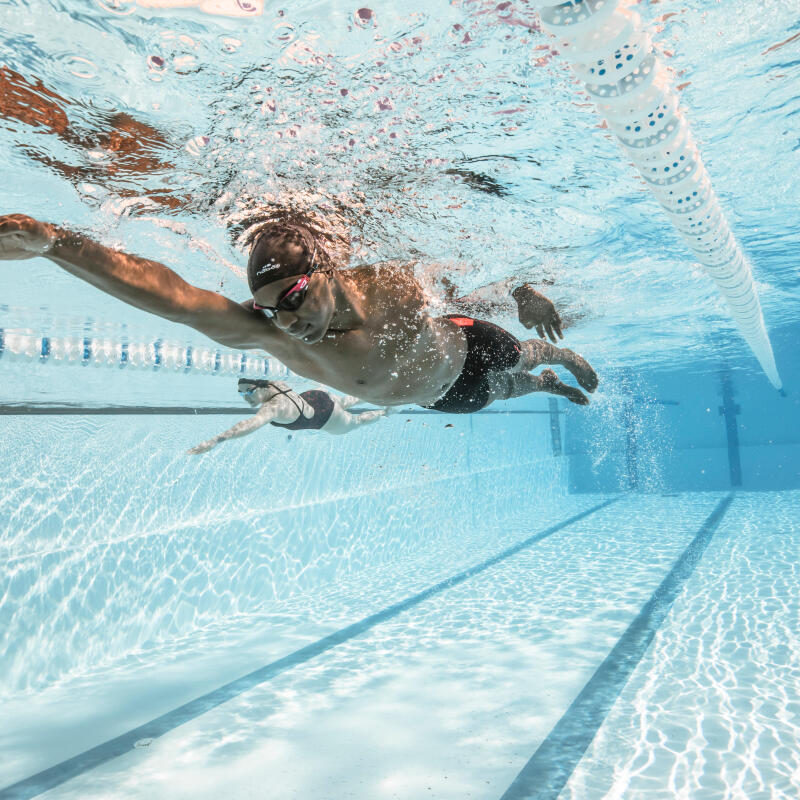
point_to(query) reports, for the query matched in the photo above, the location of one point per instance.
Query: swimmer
(278, 404)
(364, 331)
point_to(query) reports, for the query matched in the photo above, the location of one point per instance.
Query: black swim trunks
(489, 349)
(321, 402)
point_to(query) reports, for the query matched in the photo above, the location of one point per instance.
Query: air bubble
(229, 44)
(365, 18)
(81, 67)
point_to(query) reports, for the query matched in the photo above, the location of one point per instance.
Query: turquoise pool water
(535, 601)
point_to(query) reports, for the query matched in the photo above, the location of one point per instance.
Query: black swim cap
(280, 250)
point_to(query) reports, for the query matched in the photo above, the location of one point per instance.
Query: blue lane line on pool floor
(83, 762)
(550, 767)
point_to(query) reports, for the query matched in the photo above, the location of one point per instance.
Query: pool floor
(454, 696)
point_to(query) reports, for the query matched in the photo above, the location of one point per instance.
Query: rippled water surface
(451, 134)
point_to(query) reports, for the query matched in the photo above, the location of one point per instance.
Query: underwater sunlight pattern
(538, 600)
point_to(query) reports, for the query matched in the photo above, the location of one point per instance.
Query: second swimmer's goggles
(294, 296)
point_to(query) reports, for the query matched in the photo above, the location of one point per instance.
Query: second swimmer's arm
(243, 428)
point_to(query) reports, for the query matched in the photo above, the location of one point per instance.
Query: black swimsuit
(489, 349)
(321, 402)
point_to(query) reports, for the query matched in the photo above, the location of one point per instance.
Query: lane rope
(20, 344)
(610, 51)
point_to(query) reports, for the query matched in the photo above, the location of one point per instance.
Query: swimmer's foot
(550, 383)
(580, 368)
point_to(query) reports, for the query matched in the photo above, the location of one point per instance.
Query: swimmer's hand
(535, 310)
(203, 447)
(23, 237)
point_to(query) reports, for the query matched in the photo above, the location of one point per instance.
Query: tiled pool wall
(682, 431)
(114, 540)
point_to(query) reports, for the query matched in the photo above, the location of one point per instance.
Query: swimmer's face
(309, 321)
(255, 395)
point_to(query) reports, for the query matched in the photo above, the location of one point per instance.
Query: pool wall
(683, 431)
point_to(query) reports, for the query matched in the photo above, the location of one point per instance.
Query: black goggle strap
(286, 392)
(304, 279)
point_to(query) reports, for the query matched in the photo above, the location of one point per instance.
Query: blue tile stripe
(83, 762)
(729, 410)
(555, 426)
(550, 767)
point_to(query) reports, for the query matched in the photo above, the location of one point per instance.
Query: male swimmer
(364, 331)
(278, 404)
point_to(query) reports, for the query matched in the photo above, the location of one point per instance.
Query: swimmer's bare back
(379, 342)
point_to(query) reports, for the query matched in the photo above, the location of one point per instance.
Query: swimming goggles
(294, 296)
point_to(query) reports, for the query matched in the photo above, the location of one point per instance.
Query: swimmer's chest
(357, 360)
(360, 353)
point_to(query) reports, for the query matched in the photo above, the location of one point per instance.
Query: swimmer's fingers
(553, 326)
(540, 330)
(23, 237)
(557, 326)
(203, 447)
(14, 246)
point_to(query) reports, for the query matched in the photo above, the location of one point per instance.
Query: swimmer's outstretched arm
(137, 281)
(264, 415)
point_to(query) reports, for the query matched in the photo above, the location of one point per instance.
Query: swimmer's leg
(505, 385)
(536, 352)
(347, 400)
(367, 417)
(342, 421)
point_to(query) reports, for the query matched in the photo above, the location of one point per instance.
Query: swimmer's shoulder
(383, 269)
(391, 281)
